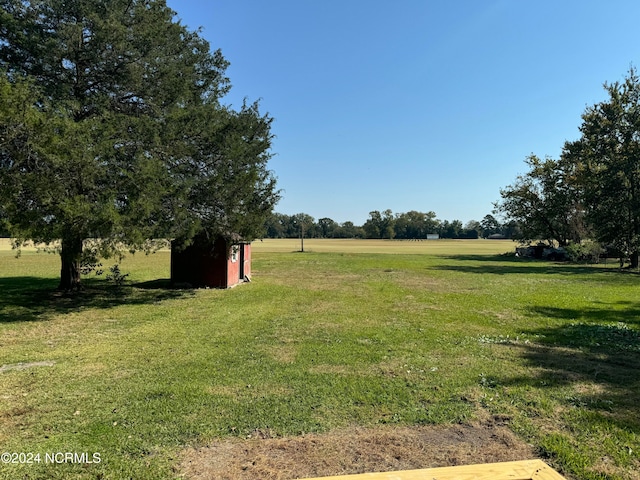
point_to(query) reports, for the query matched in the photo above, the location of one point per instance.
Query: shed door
(241, 262)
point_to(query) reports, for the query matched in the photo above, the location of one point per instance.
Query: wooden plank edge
(519, 470)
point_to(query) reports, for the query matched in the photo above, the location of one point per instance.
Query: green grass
(439, 332)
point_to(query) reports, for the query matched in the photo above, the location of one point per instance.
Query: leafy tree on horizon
(349, 230)
(490, 226)
(380, 225)
(415, 225)
(472, 230)
(451, 229)
(327, 227)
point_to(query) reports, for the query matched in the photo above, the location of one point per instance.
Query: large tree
(545, 202)
(221, 184)
(119, 134)
(607, 159)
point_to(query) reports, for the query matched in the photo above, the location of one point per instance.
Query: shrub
(588, 251)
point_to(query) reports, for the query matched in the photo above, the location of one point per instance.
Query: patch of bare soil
(25, 365)
(356, 450)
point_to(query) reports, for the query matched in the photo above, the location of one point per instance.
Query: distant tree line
(411, 225)
(587, 200)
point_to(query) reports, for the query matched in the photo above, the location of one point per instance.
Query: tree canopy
(545, 202)
(607, 158)
(112, 128)
(593, 189)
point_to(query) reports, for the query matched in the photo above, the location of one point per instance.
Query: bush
(116, 276)
(587, 251)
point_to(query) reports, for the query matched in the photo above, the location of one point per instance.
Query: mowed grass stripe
(319, 341)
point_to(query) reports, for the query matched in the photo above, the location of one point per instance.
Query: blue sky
(428, 105)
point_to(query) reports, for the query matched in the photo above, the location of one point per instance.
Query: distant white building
(433, 236)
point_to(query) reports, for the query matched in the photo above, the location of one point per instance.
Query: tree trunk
(634, 259)
(70, 257)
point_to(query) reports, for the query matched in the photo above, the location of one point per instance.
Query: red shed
(219, 263)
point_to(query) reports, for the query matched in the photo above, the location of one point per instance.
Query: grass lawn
(350, 333)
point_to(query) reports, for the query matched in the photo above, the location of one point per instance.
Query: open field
(6, 246)
(328, 362)
(429, 247)
(359, 246)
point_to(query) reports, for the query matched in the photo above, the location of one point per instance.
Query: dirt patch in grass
(356, 450)
(252, 391)
(284, 352)
(25, 365)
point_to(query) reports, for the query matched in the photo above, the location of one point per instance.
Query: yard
(343, 358)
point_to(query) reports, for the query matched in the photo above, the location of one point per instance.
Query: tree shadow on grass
(25, 299)
(600, 313)
(505, 265)
(601, 358)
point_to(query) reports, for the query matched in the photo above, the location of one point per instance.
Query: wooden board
(522, 470)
